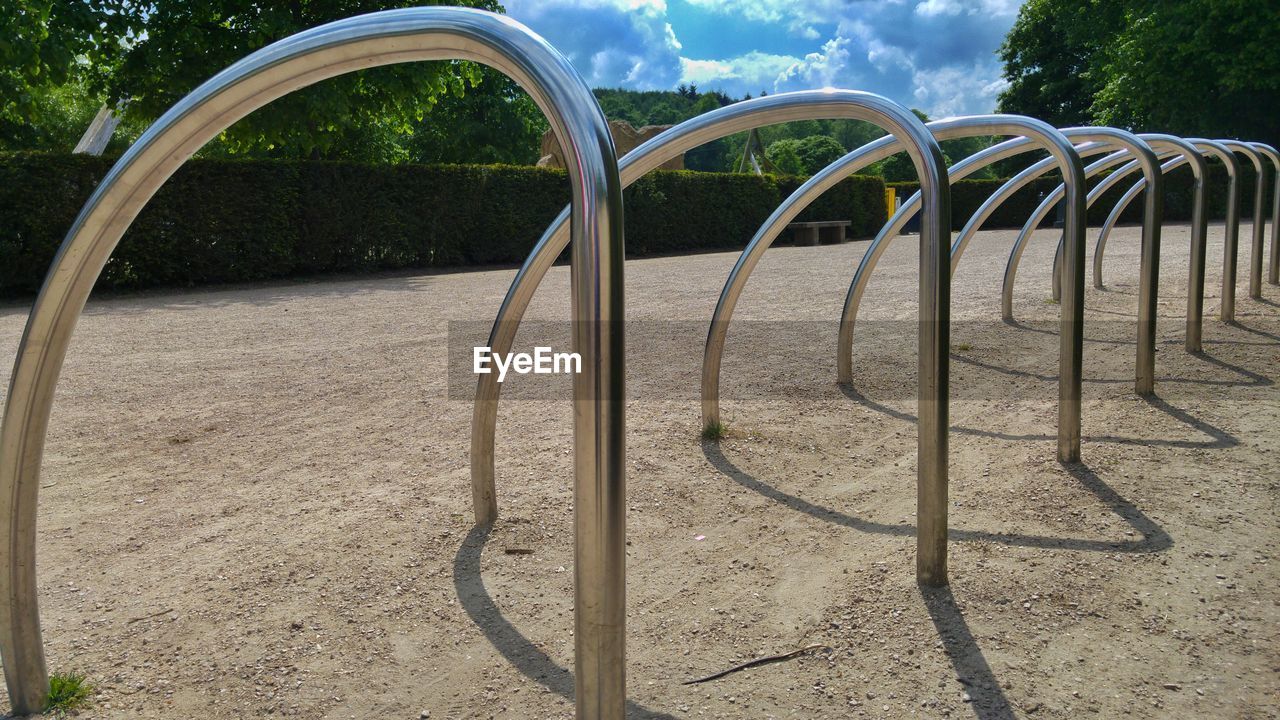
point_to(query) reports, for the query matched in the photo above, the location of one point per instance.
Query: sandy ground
(256, 502)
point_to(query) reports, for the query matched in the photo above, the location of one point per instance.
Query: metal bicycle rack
(1273, 273)
(934, 326)
(1259, 218)
(597, 285)
(1144, 382)
(1187, 153)
(899, 221)
(1168, 145)
(1035, 135)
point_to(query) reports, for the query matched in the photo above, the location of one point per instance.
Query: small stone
(1172, 686)
(965, 698)
(296, 624)
(425, 714)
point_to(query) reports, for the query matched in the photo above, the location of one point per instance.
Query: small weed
(964, 347)
(67, 691)
(714, 431)
(1050, 301)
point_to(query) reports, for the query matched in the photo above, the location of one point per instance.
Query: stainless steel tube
(384, 38)
(934, 285)
(1110, 181)
(787, 211)
(739, 117)
(1231, 230)
(1036, 134)
(1148, 290)
(1166, 145)
(1017, 182)
(1273, 273)
(1187, 153)
(1259, 219)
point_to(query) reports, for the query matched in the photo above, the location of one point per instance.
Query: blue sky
(935, 55)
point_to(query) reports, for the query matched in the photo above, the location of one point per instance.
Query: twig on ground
(757, 662)
(148, 617)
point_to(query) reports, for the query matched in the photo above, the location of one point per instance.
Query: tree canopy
(154, 53)
(1196, 67)
(38, 50)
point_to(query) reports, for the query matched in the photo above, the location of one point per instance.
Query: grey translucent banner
(795, 360)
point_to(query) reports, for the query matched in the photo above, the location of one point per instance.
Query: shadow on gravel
(1252, 379)
(516, 648)
(987, 699)
(1015, 324)
(1154, 538)
(1221, 438)
(1254, 331)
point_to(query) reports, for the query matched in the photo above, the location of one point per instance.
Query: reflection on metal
(1038, 135)
(1273, 273)
(385, 38)
(1149, 265)
(1259, 218)
(1187, 153)
(934, 327)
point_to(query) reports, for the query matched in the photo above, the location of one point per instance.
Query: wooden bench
(811, 233)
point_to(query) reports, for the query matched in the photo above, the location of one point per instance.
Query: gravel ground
(256, 503)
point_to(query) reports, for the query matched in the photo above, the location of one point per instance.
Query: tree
(171, 47)
(1196, 67)
(664, 114)
(38, 50)
(785, 156)
(1052, 58)
(495, 122)
(706, 104)
(817, 152)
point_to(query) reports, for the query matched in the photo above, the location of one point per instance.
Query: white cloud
(753, 70)
(937, 55)
(611, 42)
(828, 68)
(957, 89)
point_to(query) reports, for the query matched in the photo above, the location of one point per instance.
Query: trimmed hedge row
(968, 195)
(235, 221)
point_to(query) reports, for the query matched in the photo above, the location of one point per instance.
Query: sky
(935, 55)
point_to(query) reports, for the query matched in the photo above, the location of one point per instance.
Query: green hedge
(968, 195)
(233, 221)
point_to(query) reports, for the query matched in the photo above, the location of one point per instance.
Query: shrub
(246, 220)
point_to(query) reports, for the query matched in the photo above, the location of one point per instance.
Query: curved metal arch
(1273, 273)
(1042, 210)
(1259, 219)
(848, 318)
(1037, 135)
(804, 195)
(370, 40)
(1231, 230)
(1170, 146)
(1187, 153)
(1014, 184)
(934, 330)
(1149, 265)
